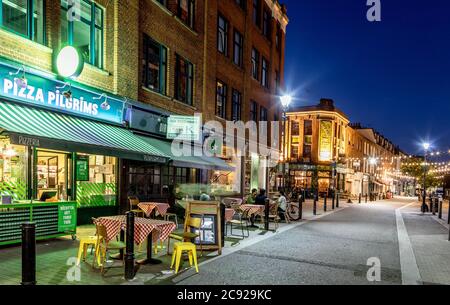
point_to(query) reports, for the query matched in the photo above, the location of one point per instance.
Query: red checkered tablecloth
(142, 228)
(253, 209)
(148, 207)
(229, 213)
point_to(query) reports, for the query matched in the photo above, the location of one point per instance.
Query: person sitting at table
(282, 205)
(261, 198)
(251, 198)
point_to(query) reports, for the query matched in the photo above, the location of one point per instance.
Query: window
(307, 146)
(257, 12)
(238, 48)
(266, 23)
(15, 16)
(253, 111)
(184, 80)
(221, 99)
(163, 2)
(236, 106)
(295, 128)
(13, 170)
(241, 3)
(278, 36)
(186, 12)
(263, 114)
(222, 35)
(154, 65)
(85, 34)
(255, 64)
(265, 73)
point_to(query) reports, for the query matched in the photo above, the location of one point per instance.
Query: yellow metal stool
(84, 244)
(179, 248)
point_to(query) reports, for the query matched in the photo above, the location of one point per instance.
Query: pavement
(341, 246)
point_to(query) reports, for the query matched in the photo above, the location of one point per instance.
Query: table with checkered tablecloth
(253, 209)
(148, 208)
(229, 214)
(159, 229)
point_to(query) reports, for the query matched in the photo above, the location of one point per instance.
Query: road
(331, 250)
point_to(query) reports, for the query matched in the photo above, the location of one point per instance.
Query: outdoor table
(149, 207)
(143, 228)
(229, 214)
(253, 210)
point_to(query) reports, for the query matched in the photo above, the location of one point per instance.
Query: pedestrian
(261, 198)
(252, 197)
(282, 206)
(204, 196)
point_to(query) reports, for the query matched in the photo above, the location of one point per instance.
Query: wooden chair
(134, 201)
(273, 214)
(240, 219)
(187, 235)
(103, 247)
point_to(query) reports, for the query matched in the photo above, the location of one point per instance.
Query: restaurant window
(186, 12)
(238, 48)
(184, 80)
(257, 12)
(265, 73)
(221, 100)
(145, 180)
(98, 186)
(254, 111)
(154, 65)
(295, 128)
(24, 17)
(86, 34)
(13, 170)
(236, 106)
(255, 64)
(266, 23)
(222, 35)
(263, 114)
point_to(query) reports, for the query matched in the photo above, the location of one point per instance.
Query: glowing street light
(426, 146)
(286, 101)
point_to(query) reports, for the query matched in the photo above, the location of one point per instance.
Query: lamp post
(373, 163)
(285, 102)
(426, 147)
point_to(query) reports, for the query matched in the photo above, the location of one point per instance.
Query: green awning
(202, 162)
(38, 127)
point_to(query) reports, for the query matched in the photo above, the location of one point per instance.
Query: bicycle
(292, 212)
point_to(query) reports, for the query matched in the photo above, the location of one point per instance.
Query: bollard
(129, 255)
(337, 200)
(222, 223)
(433, 206)
(325, 203)
(440, 208)
(315, 205)
(366, 197)
(360, 198)
(333, 201)
(28, 254)
(267, 211)
(300, 208)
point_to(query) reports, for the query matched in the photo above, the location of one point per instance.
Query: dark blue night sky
(392, 75)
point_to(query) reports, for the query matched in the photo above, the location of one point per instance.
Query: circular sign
(69, 62)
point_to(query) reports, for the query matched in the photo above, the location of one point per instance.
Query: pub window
(238, 48)
(24, 17)
(255, 64)
(154, 65)
(86, 34)
(184, 80)
(236, 106)
(222, 35)
(186, 12)
(265, 73)
(221, 99)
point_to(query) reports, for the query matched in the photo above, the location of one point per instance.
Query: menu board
(67, 217)
(208, 231)
(82, 168)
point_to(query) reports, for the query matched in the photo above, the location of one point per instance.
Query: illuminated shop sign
(35, 90)
(326, 141)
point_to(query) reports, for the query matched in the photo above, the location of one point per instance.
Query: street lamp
(426, 147)
(286, 101)
(373, 163)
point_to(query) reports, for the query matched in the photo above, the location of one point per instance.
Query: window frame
(92, 27)
(224, 97)
(190, 22)
(239, 44)
(255, 63)
(162, 64)
(236, 105)
(254, 111)
(265, 72)
(31, 30)
(189, 100)
(226, 34)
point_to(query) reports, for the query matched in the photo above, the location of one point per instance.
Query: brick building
(144, 61)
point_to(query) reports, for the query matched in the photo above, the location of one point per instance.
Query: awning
(40, 128)
(203, 162)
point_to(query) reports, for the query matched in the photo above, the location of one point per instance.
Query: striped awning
(41, 128)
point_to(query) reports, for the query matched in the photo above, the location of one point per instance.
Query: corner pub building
(69, 150)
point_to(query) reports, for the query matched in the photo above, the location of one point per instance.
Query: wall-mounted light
(69, 62)
(68, 93)
(21, 81)
(105, 105)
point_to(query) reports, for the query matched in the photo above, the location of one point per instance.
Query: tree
(414, 168)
